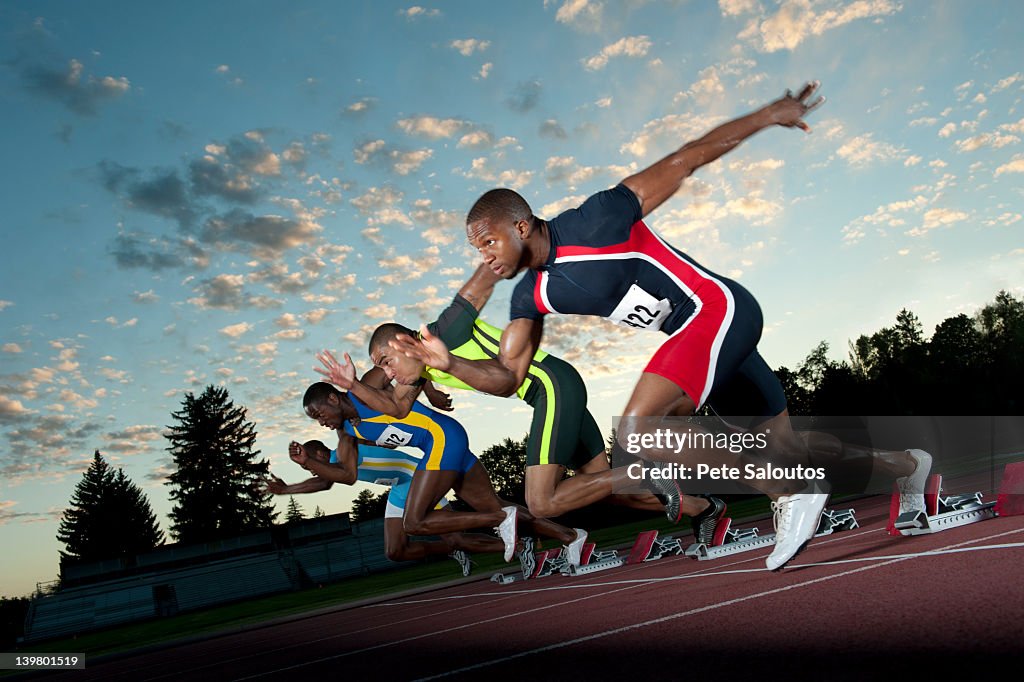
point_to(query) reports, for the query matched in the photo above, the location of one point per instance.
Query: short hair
(385, 332)
(319, 446)
(500, 203)
(318, 393)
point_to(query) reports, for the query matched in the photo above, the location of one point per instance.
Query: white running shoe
(507, 532)
(575, 548)
(462, 558)
(796, 521)
(912, 487)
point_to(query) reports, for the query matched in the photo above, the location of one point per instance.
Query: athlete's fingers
(815, 104)
(348, 359)
(808, 90)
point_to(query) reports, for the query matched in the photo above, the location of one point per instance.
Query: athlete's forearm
(332, 473)
(478, 289)
(310, 485)
(390, 402)
(487, 376)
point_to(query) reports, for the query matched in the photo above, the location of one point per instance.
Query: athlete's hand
(790, 110)
(298, 454)
(274, 485)
(438, 398)
(428, 349)
(341, 374)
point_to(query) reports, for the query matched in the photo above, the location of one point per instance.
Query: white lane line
(434, 633)
(710, 607)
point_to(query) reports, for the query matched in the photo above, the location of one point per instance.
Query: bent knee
(543, 508)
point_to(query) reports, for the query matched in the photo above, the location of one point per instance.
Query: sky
(210, 193)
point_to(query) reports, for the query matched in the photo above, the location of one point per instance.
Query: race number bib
(640, 310)
(394, 437)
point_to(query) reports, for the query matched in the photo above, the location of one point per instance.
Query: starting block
(503, 579)
(729, 541)
(940, 513)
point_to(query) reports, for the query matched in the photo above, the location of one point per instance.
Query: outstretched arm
(503, 376)
(655, 184)
(311, 485)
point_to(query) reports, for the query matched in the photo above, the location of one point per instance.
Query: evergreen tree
(109, 516)
(294, 512)
(216, 489)
(318, 512)
(368, 506)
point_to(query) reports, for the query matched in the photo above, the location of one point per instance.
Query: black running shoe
(668, 493)
(705, 523)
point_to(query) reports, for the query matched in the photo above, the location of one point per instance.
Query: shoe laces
(782, 517)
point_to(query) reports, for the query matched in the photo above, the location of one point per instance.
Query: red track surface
(855, 605)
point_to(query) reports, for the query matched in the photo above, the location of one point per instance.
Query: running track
(855, 605)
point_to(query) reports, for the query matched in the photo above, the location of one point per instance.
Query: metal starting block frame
(737, 541)
(940, 513)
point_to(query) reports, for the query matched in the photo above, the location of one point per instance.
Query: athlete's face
(500, 243)
(327, 412)
(397, 366)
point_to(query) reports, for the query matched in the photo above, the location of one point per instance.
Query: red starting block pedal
(931, 494)
(642, 547)
(721, 531)
(1010, 501)
(588, 551)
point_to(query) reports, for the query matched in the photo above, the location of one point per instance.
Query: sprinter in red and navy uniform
(603, 259)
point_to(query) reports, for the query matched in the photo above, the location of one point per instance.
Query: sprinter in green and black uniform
(563, 433)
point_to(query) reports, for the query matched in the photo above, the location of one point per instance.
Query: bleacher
(178, 578)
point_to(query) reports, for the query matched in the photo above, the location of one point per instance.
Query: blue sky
(204, 193)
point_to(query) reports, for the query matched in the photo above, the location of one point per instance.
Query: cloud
(81, 94)
(280, 280)
(938, 217)
(630, 46)
(226, 292)
(5, 304)
(417, 12)
(732, 8)
(145, 297)
(432, 127)
(1007, 82)
(796, 20)
(236, 330)
(524, 97)
(992, 140)
(482, 168)
(265, 235)
(360, 106)
(132, 440)
(162, 193)
(12, 411)
(485, 70)
(564, 169)
(863, 150)
(667, 134)
(466, 47)
(401, 162)
(475, 140)
(552, 128)
(380, 311)
(11, 348)
(556, 207)
(1014, 166)
(134, 250)
(582, 15)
